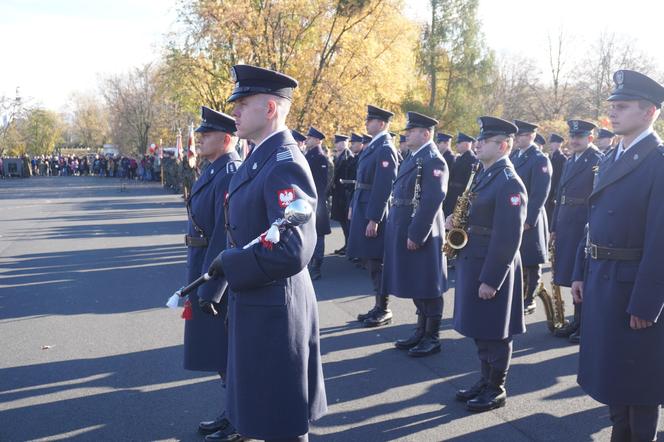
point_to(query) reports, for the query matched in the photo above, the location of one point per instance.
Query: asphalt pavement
(89, 352)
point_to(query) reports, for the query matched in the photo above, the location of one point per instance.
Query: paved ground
(90, 353)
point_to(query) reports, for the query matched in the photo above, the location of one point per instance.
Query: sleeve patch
(515, 200)
(285, 197)
(284, 155)
(437, 172)
(385, 163)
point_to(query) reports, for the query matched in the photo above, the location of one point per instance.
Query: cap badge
(575, 125)
(233, 75)
(620, 78)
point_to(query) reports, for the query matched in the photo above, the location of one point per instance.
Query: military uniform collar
(267, 138)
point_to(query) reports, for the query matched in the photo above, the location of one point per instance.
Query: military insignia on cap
(285, 197)
(620, 78)
(515, 200)
(575, 125)
(233, 75)
(479, 121)
(385, 163)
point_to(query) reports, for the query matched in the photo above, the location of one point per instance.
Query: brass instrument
(457, 237)
(554, 306)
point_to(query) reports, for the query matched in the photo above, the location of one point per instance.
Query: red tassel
(265, 243)
(186, 313)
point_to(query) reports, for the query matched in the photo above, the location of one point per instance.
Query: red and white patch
(545, 169)
(515, 200)
(437, 172)
(385, 163)
(286, 196)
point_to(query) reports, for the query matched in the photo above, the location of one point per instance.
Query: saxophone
(457, 237)
(554, 306)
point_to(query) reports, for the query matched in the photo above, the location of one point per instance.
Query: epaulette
(231, 167)
(509, 174)
(285, 155)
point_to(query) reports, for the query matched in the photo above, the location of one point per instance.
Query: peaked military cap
(252, 80)
(525, 127)
(298, 136)
(376, 113)
(580, 127)
(416, 119)
(442, 137)
(492, 126)
(632, 85)
(313, 132)
(338, 138)
(539, 139)
(462, 138)
(366, 138)
(402, 139)
(356, 138)
(605, 133)
(213, 121)
(555, 138)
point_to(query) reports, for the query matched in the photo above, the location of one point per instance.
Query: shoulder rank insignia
(284, 155)
(231, 167)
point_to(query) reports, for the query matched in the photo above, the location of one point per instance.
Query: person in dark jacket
(460, 171)
(341, 185)
(605, 140)
(443, 141)
(558, 159)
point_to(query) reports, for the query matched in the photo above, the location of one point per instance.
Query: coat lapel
(411, 162)
(629, 161)
(573, 168)
(488, 175)
(210, 172)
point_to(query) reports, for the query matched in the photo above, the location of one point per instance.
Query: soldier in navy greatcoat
(605, 140)
(340, 188)
(275, 378)
(620, 280)
(460, 171)
(321, 167)
(488, 302)
(558, 159)
(443, 143)
(570, 213)
(205, 337)
(376, 170)
(415, 266)
(534, 169)
(299, 139)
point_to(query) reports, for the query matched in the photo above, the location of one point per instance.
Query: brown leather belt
(613, 254)
(567, 201)
(195, 241)
(401, 202)
(480, 230)
(362, 186)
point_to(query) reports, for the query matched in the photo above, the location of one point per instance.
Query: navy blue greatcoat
(343, 170)
(450, 157)
(460, 171)
(618, 365)
(205, 337)
(376, 169)
(534, 169)
(320, 169)
(571, 211)
(491, 256)
(558, 160)
(420, 273)
(275, 378)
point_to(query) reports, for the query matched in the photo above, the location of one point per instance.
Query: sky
(53, 48)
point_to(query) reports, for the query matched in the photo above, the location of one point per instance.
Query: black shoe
(566, 331)
(575, 337)
(490, 398)
(429, 344)
(414, 339)
(381, 317)
(529, 306)
(225, 436)
(471, 393)
(364, 316)
(341, 251)
(209, 427)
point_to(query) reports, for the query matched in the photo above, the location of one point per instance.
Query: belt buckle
(593, 251)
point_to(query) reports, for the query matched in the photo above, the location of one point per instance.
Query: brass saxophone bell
(457, 238)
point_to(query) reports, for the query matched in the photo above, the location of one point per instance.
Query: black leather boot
(430, 343)
(569, 329)
(575, 337)
(529, 305)
(382, 315)
(225, 436)
(470, 393)
(209, 427)
(492, 396)
(412, 341)
(364, 316)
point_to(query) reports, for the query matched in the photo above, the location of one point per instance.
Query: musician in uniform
(341, 185)
(415, 267)
(605, 139)
(558, 159)
(571, 211)
(299, 139)
(620, 281)
(205, 337)
(320, 166)
(443, 143)
(488, 303)
(275, 377)
(376, 170)
(534, 169)
(460, 171)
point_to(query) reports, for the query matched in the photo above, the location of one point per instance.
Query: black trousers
(375, 267)
(634, 423)
(494, 354)
(345, 227)
(532, 276)
(430, 307)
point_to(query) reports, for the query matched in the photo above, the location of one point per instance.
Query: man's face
(579, 143)
(413, 138)
(604, 143)
(444, 146)
(211, 143)
(627, 117)
(311, 142)
(522, 141)
(250, 116)
(489, 149)
(356, 147)
(374, 126)
(555, 146)
(340, 146)
(463, 147)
